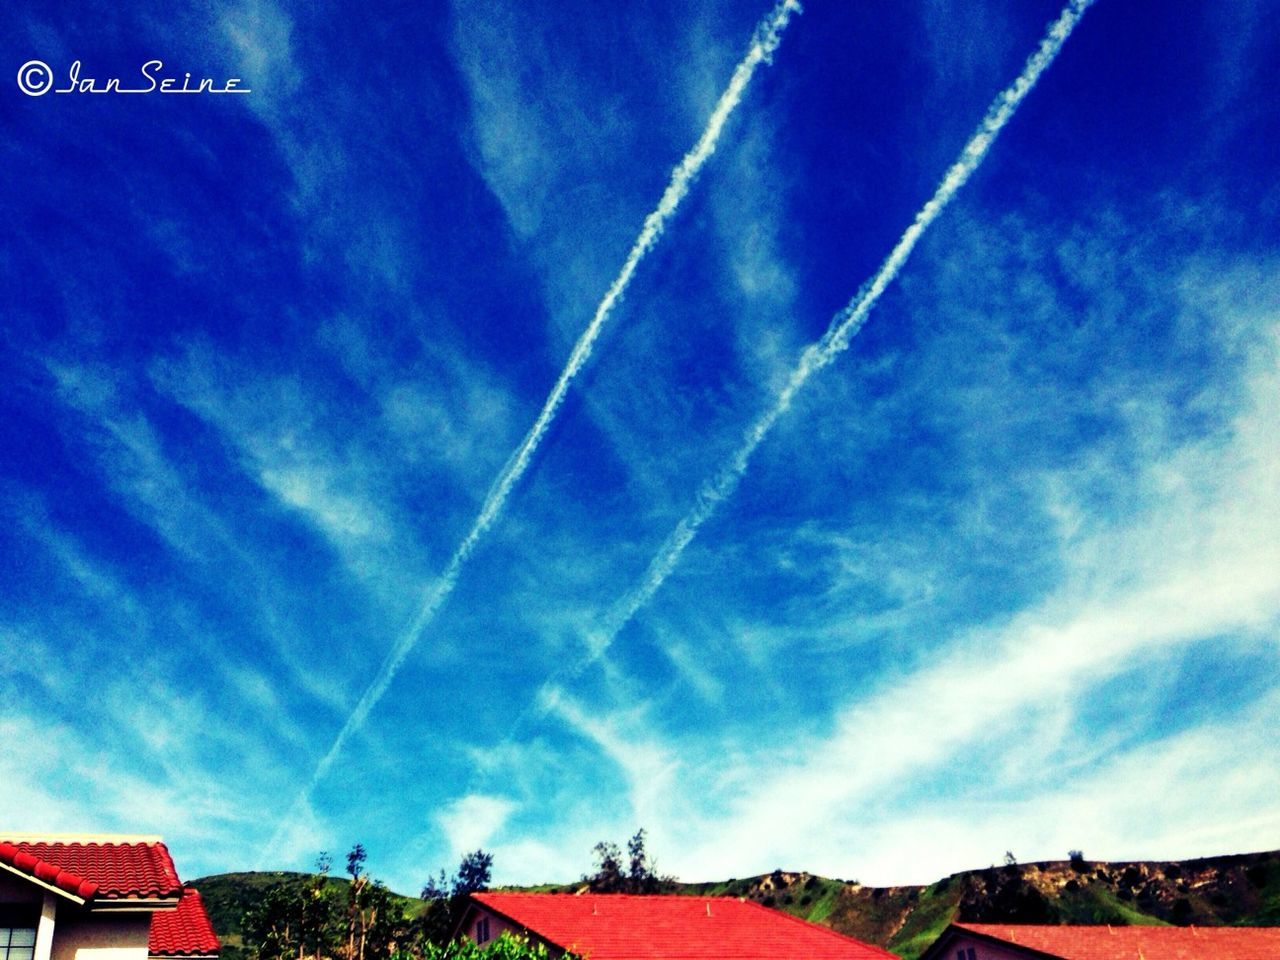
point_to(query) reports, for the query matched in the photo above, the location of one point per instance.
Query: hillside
(228, 895)
(1238, 889)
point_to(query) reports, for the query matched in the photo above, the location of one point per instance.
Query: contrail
(764, 42)
(843, 328)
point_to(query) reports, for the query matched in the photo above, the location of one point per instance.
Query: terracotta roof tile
(47, 872)
(110, 871)
(622, 927)
(1137, 943)
(184, 932)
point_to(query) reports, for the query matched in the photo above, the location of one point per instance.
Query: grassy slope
(1242, 889)
(937, 905)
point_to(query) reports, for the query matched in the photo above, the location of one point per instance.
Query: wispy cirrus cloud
(266, 354)
(1150, 484)
(1120, 808)
(846, 324)
(274, 428)
(128, 449)
(763, 44)
(1161, 585)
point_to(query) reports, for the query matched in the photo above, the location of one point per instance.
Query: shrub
(504, 947)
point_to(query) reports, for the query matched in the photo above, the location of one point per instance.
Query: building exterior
(97, 898)
(1002, 941)
(626, 927)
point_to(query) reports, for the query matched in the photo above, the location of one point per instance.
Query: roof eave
(939, 947)
(135, 904)
(52, 888)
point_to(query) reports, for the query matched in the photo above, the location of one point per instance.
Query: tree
(436, 888)
(293, 919)
(642, 876)
(446, 897)
(305, 919)
(639, 876)
(375, 921)
(608, 877)
(381, 926)
(474, 873)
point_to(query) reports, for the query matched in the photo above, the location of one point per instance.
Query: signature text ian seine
(36, 78)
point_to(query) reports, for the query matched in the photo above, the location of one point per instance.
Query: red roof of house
(1137, 943)
(623, 927)
(137, 871)
(33, 866)
(185, 932)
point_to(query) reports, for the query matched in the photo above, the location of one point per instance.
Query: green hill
(1242, 889)
(228, 895)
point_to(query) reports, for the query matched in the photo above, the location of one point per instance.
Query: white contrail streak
(843, 328)
(764, 42)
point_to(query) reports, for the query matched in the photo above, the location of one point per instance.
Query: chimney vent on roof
(708, 908)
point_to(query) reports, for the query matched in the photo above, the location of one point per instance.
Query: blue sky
(282, 565)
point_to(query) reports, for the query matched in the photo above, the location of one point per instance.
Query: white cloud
(130, 454)
(440, 409)
(1201, 561)
(261, 34)
(60, 780)
(310, 488)
(275, 428)
(472, 822)
(1187, 567)
(649, 766)
(1178, 797)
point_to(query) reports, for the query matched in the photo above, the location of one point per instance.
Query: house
(1002, 941)
(628, 927)
(97, 898)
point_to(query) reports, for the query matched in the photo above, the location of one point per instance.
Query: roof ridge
(561, 920)
(71, 838)
(683, 897)
(134, 869)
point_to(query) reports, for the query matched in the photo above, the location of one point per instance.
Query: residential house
(628, 927)
(97, 898)
(1002, 941)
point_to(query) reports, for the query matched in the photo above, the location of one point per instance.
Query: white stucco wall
(120, 936)
(982, 950)
(497, 926)
(78, 935)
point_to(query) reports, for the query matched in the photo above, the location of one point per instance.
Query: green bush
(505, 947)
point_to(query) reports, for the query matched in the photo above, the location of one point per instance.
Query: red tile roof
(34, 866)
(622, 927)
(185, 932)
(1137, 943)
(112, 871)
